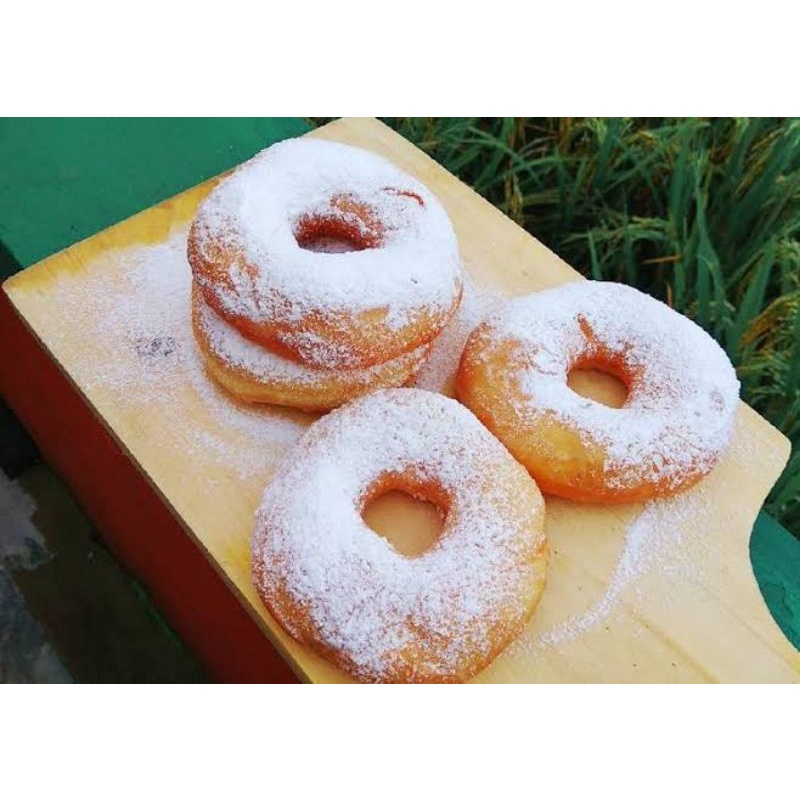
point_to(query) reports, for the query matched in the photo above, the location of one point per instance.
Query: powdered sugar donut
(257, 375)
(393, 291)
(341, 589)
(673, 427)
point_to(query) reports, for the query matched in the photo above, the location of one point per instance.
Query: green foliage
(702, 213)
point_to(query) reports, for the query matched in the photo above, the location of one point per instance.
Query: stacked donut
(320, 272)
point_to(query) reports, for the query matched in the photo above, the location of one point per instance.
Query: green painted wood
(63, 180)
(775, 555)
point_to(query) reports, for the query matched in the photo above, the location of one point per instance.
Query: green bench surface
(62, 180)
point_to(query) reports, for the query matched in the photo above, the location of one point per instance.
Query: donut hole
(600, 380)
(345, 225)
(333, 235)
(409, 515)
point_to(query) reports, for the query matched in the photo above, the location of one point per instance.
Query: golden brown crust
(321, 390)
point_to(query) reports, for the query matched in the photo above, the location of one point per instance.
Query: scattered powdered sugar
(260, 424)
(477, 302)
(382, 611)
(652, 540)
(413, 263)
(683, 390)
(135, 311)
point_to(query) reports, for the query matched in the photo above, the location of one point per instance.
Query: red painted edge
(134, 521)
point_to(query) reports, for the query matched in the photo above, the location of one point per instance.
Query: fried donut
(263, 248)
(257, 375)
(673, 427)
(342, 590)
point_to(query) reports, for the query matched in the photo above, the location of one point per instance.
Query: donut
(346, 593)
(265, 248)
(672, 428)
(257, 375)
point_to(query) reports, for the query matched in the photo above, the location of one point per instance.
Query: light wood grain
(695, 615)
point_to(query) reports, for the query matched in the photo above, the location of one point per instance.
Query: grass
(701, 213)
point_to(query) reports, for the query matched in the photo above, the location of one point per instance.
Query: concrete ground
(68, 610)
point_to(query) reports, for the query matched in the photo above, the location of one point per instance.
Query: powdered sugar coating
(683, 390)
(441, 615)
(412, 267)
(264, 366)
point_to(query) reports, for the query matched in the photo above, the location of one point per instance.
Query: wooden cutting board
(663, 592)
